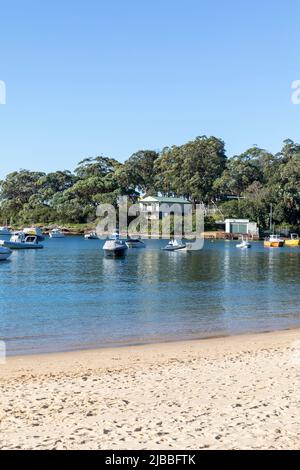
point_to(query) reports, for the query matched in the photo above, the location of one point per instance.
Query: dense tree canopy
(244, 185)
(190, 170)
(138, 173)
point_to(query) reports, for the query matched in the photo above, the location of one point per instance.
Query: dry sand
(230, 393)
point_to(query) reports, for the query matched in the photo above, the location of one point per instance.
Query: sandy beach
(238, 392)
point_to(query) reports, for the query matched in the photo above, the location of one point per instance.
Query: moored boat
(174, 245)
(34, 231)
(20, 241)
(56, 233)
(114, 247)
(135, 243)
(4, 253)
(293, 241)
(274, 241)
(244, 244)
(91, 236)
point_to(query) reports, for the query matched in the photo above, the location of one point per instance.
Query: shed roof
(165, 200)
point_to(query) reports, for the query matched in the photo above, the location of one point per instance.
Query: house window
(239, 228)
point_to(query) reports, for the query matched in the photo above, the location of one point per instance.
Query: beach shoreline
(139, 344)
(230, 392)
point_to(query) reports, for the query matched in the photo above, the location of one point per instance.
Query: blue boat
(20, 241)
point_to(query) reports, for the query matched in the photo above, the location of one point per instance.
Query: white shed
(241, 226)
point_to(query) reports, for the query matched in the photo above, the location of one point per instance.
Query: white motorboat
(244, 244)
(91, 236)
(4, 231)
(4, 253)
(35, 232)
(174, 245)
(20, 241)
(115, 247)
(135, 243)
(56, 233)
(274, 241)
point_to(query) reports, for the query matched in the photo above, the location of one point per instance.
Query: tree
(190, 170)
(16, 190)
(56, 182)
(138, 172)
(96, 181)
(69, 209)
(240, 172)
(98, 166)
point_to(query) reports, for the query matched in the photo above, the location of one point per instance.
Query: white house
(241, 226)
(159, 207)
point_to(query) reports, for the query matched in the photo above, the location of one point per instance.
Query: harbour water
(69, 296)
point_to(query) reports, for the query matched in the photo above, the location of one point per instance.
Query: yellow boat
(274, 241)
(293, 241)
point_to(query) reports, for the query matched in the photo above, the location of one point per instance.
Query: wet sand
(239, 392)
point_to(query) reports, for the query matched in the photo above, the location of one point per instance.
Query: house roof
(237, 221)
(165, 200)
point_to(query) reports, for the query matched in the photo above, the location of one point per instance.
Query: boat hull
(21, 246)
(135, 244)
(5, 253)
(244, 246)
(114, 249)
(292, 242)
(4, 257)
(274, 244)
(177, 248)
(116, 253)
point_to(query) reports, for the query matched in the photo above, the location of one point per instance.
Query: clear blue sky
(112, 77)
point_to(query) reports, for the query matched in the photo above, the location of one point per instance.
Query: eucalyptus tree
(138, 173)
(240, 172)
(191, 169)
(16, 190)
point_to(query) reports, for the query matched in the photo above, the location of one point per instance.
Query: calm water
(68, 296)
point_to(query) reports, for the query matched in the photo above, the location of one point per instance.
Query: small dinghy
(174, 245)
(56, 233)
(20, 241)
(114, 247)
(244, 244)
(4, 253)
(91, 236)
(135, 243)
